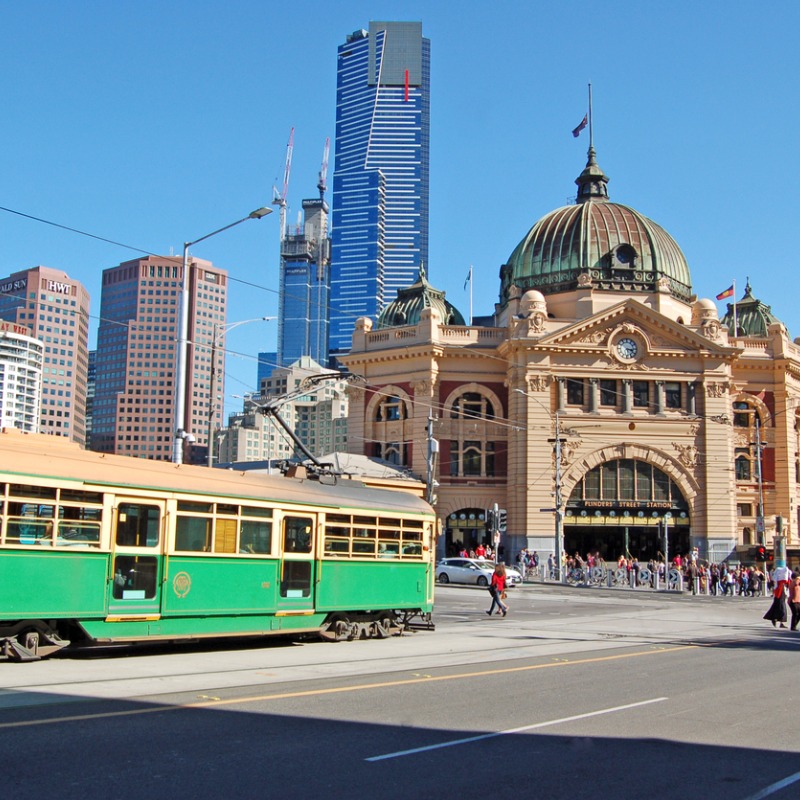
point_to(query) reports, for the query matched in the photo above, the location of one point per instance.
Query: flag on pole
(727, 293)
(576, 132)
(469, 278)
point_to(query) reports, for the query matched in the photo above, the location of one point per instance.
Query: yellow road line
(211, 703)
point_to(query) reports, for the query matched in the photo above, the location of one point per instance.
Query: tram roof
(26, 455)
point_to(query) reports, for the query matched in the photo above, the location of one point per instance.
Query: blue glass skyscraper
(379, 234)
(304, 288)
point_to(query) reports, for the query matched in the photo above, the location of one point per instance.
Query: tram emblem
(182, 584)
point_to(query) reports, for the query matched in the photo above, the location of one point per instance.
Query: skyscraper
(381, 171)
(55, 309)
(133, 409)
(304, 288)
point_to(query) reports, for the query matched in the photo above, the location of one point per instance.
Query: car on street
(472, 570)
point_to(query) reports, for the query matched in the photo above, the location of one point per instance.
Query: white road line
(483, 736)
(776, 787)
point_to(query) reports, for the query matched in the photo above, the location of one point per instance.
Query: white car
(472, 570)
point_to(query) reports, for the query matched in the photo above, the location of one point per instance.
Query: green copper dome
(406, 308)
(751, 317)
(599, 244)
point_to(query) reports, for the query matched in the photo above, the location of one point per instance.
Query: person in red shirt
(496, 588)
(480, 551)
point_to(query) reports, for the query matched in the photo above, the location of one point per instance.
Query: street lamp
(183, 334)
(220, 328)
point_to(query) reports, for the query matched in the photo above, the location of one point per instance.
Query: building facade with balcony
(21, 361)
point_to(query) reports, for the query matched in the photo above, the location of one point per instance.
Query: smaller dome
(407, 307)
(749, 315)
(704, 309)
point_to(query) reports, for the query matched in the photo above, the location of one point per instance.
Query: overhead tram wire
(177, 259)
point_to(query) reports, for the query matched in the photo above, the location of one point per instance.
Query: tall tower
(55, 308)
(133, 408)
(304, 288)
(381, 172)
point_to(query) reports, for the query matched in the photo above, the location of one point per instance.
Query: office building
(134, 402)
(55, 309)
(316, 414)
(305, 287)
(21, 359)
(379, 235)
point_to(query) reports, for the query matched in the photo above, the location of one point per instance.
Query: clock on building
(627, 348)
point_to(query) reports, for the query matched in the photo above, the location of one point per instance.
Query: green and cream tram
(102, 548)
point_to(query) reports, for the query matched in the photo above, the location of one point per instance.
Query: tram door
(296, 579)
(136, 560)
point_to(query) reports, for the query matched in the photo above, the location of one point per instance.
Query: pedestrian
(780, 586)
(480, 551)
(794, 600)
(497, 588)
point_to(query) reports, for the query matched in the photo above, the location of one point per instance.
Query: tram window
(74, 496)
(24, 490)
(365, 521)
(137, 525)
(297, 534)
(227, 509)
(224, 535)
(336, 546)
(363, 542)
(388, 543)
(412, 544)
(253, 511)
(296, 579)
(197, 508)
(193, 534)
(339, 519)
(255, 537)
(29, 523)
(135, 577)
(77, 533)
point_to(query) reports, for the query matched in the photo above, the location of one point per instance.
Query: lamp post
(183, 334)
(220, 328)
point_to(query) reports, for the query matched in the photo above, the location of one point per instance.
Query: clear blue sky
(151, 123)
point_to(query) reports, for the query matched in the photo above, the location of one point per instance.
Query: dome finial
(592, 181)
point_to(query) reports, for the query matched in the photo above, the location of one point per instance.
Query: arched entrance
(619, 507)
(465, 529)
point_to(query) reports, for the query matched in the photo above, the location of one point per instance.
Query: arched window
(471, 454)
(627, 480)
(472, 405)
(744, 467)
(391, 409)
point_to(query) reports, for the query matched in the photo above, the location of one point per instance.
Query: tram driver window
(297, 534)
(137, 525)
(135, 577)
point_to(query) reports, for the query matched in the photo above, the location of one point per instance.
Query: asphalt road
(575, 693)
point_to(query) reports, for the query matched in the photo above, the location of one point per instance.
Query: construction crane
(279, 198)
(323, 173)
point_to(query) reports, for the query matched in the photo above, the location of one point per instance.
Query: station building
(597, 349)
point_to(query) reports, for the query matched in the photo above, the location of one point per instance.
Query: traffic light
(502, 520)
(761, 553)
(490, 519)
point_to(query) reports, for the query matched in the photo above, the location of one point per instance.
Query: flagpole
(591, 129)
(470, 295)
(735, 319)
